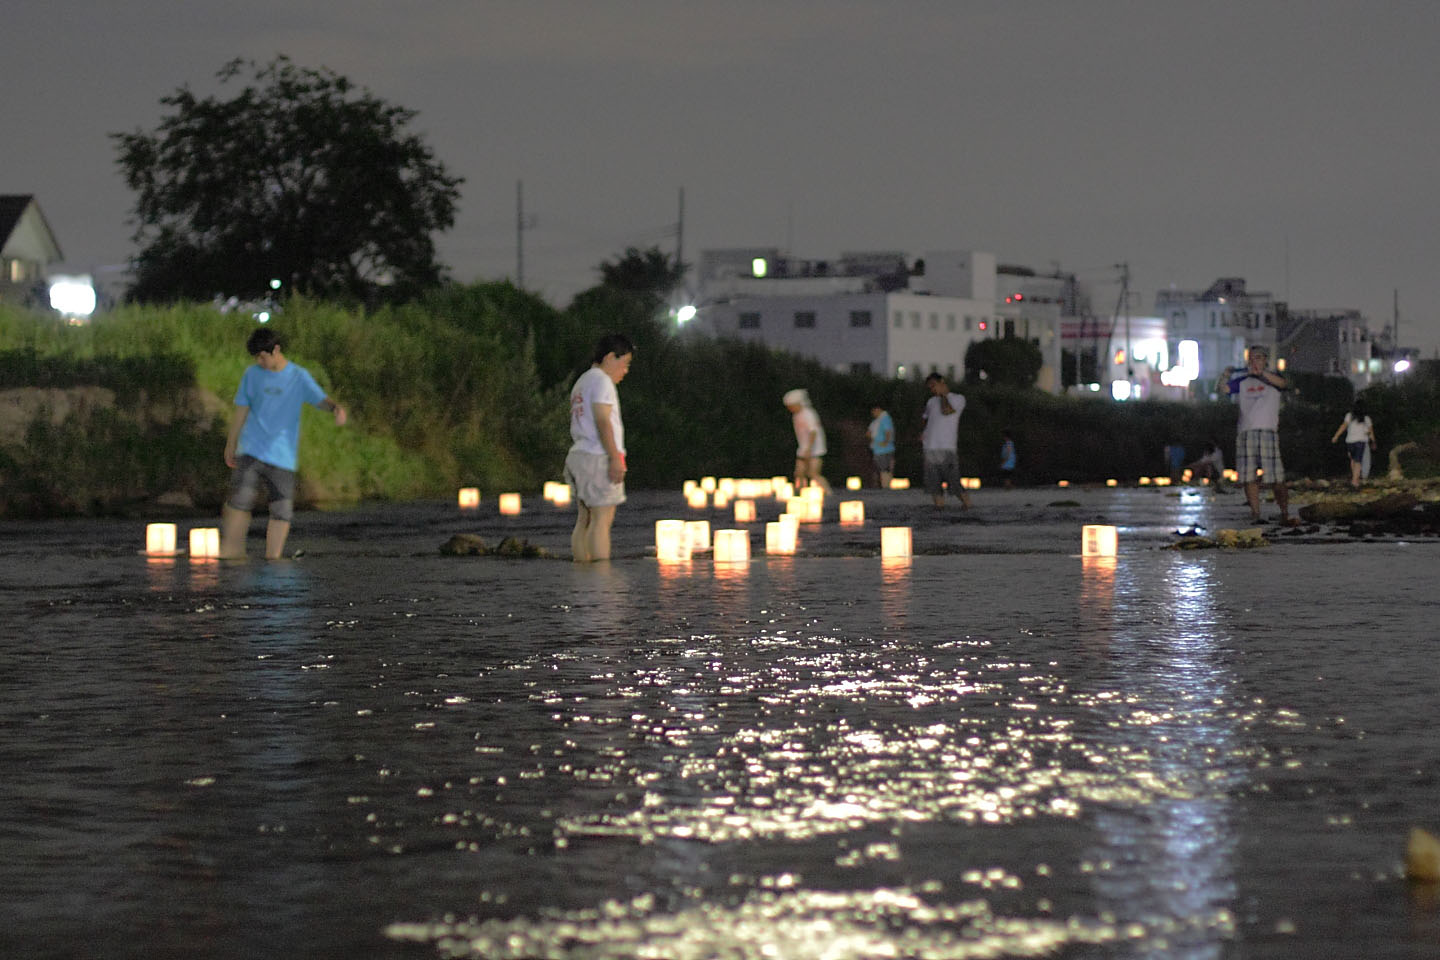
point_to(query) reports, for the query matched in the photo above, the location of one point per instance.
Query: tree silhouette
(300, 177)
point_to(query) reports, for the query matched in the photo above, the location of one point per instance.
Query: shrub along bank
(469, 387)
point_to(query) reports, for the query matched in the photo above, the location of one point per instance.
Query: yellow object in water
(1422, 856)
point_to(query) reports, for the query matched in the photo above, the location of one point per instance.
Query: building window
(805, 318)
(860, 318)
(914, 320)
(899, 319)
(861, 367)
(934, 321)
(749, 321)
(969, 322)
(949, 321)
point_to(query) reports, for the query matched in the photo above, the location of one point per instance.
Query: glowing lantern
(1144, 481)
(671, 543)
(780, 537)
(894, 542)
(708, 484)
(697, 532)
(160, 539)
(469, 498)
(722, 500)
(970, 483)
(726, 485)
(1097, 540)
(690, 485)
(697, 498)
(732, 546)
(899, 483)
(778, 482)
(795, 507)
(814, 493)
(1112, 482)
(784, 490)
(1162, 481)
(852, 483)
(510, 504)
(1232, 476)
(548, 492)
(204, 543)
(1062, 483)
(748, 489)
(744, 511)
(561, 496)
(852, 511)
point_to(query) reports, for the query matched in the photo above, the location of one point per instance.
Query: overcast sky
(1295, 144)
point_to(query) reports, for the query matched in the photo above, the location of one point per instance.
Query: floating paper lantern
(726, 485)
(722, 500)
(899, 483)
(160, 539)
(852, 511)
(814, 493)
(690, 486)
(894, 542)
(1062, 483)
(509, 503)
(852, 483)
(204, 543)
(1097, 540)
(784, 490)
(1144, 481)
(671, 544)
(1232, 475)
(562, 495)
(1162, 481)
(780, 537)
(469, 498)
(697, 498)
(970, 483)
(732, 546)
(708, 484)
(1112, 482)
(697, 533)
(744, 511)
(795, 506)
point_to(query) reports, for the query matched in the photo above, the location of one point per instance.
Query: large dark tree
(650, 273)
(1008, 360)
(300, 176)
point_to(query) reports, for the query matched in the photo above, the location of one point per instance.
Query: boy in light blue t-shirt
(264, 442)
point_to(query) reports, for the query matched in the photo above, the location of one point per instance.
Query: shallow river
(992, 750)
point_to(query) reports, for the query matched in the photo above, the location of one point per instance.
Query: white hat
(796, 396)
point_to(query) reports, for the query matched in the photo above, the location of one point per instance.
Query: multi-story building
(1334, 342)
(874, 312)
(1221, 321)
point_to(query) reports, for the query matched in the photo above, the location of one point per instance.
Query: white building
(869, 312)
(1221, 321)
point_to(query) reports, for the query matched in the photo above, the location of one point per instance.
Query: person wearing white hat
(809, 439)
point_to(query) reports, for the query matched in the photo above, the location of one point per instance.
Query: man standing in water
(264, 443)
(1257, 438)
(940, 441)
(595, 466)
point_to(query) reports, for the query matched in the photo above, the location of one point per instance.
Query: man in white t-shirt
(595, 466)
(940, 441)
(809, 439)
(1257, 436)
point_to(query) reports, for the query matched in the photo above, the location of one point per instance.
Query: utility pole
(1395, 329)
(520, 234)
(680, 232)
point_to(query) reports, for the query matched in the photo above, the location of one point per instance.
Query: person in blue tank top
(263, 445)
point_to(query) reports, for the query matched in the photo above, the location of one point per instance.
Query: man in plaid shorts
(1257, 440)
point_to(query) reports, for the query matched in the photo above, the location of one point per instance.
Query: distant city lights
(72, 296)
(1402, 365)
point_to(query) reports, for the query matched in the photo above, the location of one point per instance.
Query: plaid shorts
(1259, 450)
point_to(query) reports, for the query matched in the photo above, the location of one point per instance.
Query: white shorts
(589, 475)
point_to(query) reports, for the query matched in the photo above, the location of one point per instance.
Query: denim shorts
(279, 483)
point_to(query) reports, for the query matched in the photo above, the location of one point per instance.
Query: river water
(994, 749)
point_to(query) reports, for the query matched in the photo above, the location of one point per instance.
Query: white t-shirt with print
(594, 386)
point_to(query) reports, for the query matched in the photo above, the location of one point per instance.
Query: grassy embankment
(469, 387)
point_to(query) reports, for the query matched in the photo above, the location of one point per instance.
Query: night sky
(1294, 144)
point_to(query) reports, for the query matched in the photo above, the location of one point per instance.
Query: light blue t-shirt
(882, 434)
(272, 428)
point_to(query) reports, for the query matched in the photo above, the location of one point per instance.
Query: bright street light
(685, 314)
